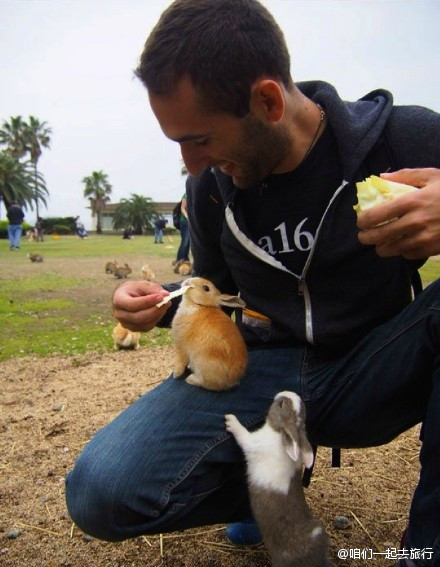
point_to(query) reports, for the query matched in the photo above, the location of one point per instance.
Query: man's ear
(267, 100)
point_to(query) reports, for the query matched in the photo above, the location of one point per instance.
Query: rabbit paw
(194, 380)
(232, 423)
(178, 372)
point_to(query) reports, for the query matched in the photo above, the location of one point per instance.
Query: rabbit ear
(291, 445)
(293, 432)
(298, 450)
(231, 301)
(306, 451)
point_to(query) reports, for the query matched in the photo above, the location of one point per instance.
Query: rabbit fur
(147, 273)
(35, 257)
(110, 267)
(124, 338)
(122, 272)
(183, 267)
(206, 339)
(275, 454)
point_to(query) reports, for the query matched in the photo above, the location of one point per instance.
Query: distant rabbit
(35, 257)
(110, 267)
(124, 338)
(183, 267)
(147, 273)
(206, 339)
(122, 271)
(275, 454)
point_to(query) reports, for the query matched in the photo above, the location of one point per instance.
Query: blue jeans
(158, 235)
(167, 463)
(183, 251)
(14, 234)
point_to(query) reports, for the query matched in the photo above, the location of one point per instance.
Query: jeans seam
(395, 336)
(190, 466)
(353, 371)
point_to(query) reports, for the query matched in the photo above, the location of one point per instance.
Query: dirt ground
(51, 407)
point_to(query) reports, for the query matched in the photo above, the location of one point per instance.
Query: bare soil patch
(51, 407)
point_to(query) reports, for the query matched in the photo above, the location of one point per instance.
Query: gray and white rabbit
(275, 454)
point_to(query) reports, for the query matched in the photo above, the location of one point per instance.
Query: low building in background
(165, 209)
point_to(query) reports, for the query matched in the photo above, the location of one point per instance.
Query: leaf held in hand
(173, 294)
(376, 191)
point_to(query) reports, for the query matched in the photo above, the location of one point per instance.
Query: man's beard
(261, 149)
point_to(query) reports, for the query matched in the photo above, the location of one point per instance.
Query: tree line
(20, 180)
(21, 146)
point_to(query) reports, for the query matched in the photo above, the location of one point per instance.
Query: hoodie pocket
(257, 323)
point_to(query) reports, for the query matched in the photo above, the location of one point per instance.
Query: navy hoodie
(345, 289)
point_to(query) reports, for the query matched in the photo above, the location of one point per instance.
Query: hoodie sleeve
(414, 136)
(206, 217)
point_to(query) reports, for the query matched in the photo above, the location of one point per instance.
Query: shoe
(404, 545)
(244, 533)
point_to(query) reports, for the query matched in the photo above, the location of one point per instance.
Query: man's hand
(134, 305)
(412, 228)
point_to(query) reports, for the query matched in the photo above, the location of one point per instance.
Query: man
(80, 228)
(39, 225)
(330, 316)
(185, 245)
(15, 216)
(159, 226)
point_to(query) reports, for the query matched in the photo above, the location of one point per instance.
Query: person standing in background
(183, 251)
(40, 230)
(159, 227)
(15, 217)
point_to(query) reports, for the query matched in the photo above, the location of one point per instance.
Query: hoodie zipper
(261, 254)
(302, 286)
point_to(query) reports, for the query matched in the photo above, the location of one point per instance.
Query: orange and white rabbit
(206, 339)
(124, 338)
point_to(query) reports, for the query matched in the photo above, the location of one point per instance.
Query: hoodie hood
(356, 125)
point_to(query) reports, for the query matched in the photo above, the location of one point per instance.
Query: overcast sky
(70, 63)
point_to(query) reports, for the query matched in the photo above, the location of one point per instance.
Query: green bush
(4, 228)
(61, 229)
(50, 223)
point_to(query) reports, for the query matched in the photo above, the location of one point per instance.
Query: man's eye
(202, 142)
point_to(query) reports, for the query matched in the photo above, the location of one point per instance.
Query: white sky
(70, 63)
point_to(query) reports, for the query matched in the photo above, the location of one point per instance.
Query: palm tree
(37, 135)
(17, 182)
(13, 136)
(97, 189)
(21, 137)
(139, 212)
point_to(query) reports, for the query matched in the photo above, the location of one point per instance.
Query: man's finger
(414, 177)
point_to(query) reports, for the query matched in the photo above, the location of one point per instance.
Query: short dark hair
(223, 46)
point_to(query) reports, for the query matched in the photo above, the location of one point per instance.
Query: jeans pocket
(316, 374)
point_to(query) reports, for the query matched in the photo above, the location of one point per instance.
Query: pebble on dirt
(14, 533)
(341, 522)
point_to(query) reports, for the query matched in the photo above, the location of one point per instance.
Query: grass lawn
(63, 305)
(104, 246)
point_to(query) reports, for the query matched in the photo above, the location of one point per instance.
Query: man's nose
(195, 159)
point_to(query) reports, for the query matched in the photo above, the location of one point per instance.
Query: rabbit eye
(206, 287)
